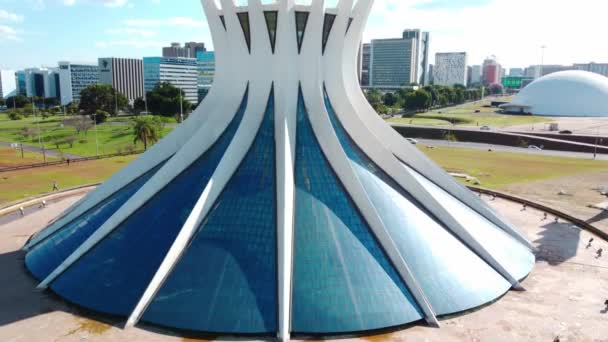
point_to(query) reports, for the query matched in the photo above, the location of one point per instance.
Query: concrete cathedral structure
(284, 205)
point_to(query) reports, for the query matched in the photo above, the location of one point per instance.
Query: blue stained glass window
(511, 254)
(226, 282)
(113, 275)
(51, 252)
(343, 281)
(453, 278)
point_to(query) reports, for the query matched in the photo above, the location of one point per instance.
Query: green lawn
(497, 169)
(113, 136)
(465, 115)
(27, 183)
(10, 157)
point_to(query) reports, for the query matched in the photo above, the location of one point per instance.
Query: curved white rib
(260, 88)
(386, 160)
(159, 152)
(286, 102)
(198, 143)
(394, 142)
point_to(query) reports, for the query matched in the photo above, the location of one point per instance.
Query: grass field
(26, 183)
(10, 157)
(114, 135)
(465, 115)
(497, 169)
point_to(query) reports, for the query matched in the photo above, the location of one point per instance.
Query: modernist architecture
(7, 83)
(491, 72)
(206, 73)
(366, 50)
(73, 78)
(181, 72)
(394, 62)
(450, 68)
(190, 50)
(566, 93)
(126, 75)
(423, 41)
(284, 205)
(475, 74)
(38, 82)
(20, 87)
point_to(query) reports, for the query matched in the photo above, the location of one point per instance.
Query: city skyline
(31, 33)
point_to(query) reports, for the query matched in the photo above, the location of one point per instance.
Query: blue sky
(42, 32)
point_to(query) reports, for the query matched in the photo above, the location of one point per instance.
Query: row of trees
(423, 99)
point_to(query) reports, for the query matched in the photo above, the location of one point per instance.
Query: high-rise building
(491, 71)
(206, 72)
(180, 72)
(475, 74)
(190, 50)
(39, 82)
(431, 74)
(450, 68)
(598, 68)
(393, 63)
(422, 41)
(469, 74)
(537, 71)
(73, 78)
(7, 83)
(365, 64)
(516, 72)
(21, 88)
(126, 75)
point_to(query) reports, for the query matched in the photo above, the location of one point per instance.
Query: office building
(7, 83)
(475, 74)
(180, 72)
(206, 72)
(431, 74)
(365, 64)
(491, 71)
(189, 50)
(73, 78)
(598, 68)
(273, 211)
(39, 82)
(393, 63)
(450, 68)
(126, 75)
(422, 40)
(516, 72)
(20, 85)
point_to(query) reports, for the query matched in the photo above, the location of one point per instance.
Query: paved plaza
(565, 294)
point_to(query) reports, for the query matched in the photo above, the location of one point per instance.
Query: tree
(18, 101)
(146, 129)
(26, 133)
(418, 100)
(79, 123)
(101, 97)
(495, 89)
(164, 100)
(139, 105)
(100, 116)
(374, 97)
(390, 99)
(2, 102)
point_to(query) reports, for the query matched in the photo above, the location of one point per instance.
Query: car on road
(412, 141)
(565, 132)
(485, 128)
(534, 148)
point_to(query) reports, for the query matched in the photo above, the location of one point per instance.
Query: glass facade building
(393, 63)
(73, 78)
(180, 72)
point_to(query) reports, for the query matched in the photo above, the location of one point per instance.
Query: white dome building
(566, 93)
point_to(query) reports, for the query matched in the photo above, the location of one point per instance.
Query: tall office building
(39, 82)
(393, 63)
(422, 40)
(475, 74)
(20, 86)
(126, 75)
(180, 72)
(365, 64)
(491, 71)
(431, 74)
(73, 78)
(516, 72)
(206, 72)
(7, 83)
(190, 50)
(598, 68)
(450, 68)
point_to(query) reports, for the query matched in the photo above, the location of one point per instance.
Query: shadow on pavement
(559, 243)
(599, 217)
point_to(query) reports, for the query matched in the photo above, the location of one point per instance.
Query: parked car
(485, 128)
(412, 141)
(535, 148)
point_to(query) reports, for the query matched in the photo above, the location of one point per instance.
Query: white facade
(450, 68)
(7, 83)
(126, 75)
(565, 93)
(41, 82)
(303, 100)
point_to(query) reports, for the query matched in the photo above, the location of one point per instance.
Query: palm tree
(146, 130)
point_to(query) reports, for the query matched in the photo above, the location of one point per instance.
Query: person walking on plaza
(55, 187)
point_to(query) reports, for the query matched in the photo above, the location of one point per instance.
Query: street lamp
(39, 131)
(96, 139)
(542, 60)
(181, 107)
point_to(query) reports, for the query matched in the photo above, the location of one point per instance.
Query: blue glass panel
(51, 252)
(452, 277)
(226, 282)
(343, 281)
(512, 255)
(112, 276)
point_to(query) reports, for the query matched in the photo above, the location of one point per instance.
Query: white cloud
(8, 16)
(8, 33)
(171, 22)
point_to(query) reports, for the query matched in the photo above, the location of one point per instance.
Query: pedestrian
(22, 211)
(68, 162)
(599, 253)
(606, 303)
(590, 242)
(55, 187)
(546, 217)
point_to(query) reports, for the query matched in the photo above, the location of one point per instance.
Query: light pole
(542, 60)
(96, 139)
(181, 107)
(39, 131)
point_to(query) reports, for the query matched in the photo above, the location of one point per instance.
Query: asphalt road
(501, 148)
(35, 149)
